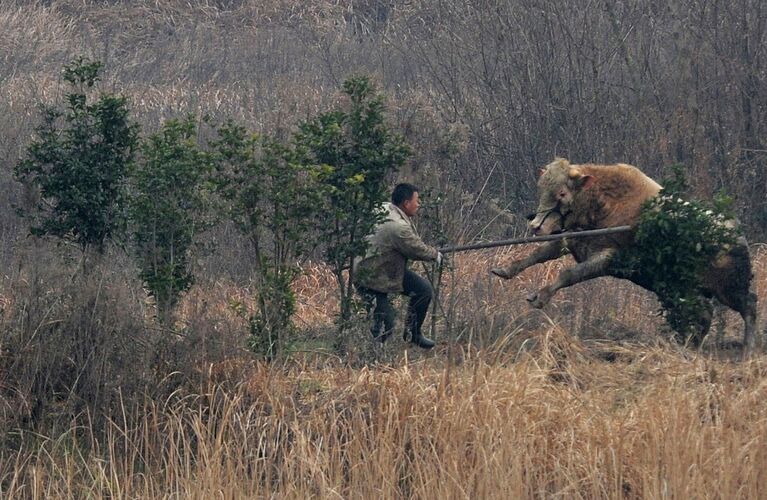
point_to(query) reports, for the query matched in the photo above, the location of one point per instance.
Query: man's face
(410, 207)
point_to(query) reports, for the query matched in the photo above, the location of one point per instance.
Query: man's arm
(408, 243)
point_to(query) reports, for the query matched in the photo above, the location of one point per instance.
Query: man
(383, 270)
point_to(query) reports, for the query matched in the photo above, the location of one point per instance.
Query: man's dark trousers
(420, 292)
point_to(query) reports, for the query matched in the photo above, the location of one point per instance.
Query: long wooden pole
(535, 239)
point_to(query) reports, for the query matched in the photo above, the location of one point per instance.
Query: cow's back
(615, 198)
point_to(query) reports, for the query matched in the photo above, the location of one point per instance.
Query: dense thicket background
(485, 91)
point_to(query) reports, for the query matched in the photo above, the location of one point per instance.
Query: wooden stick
(536, 239)
(438, 279)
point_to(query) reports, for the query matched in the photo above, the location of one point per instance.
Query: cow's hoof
(500, 272)
(506, 272)
(537, 300)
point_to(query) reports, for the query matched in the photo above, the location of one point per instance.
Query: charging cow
(583, 197)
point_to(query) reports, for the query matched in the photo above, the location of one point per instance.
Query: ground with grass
(584, 400)
(551, 419)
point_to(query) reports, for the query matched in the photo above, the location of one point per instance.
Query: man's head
(405, 196)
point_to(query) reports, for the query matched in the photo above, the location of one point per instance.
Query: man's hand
(439, 259)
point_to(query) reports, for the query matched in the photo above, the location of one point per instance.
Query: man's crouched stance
(383, 269)
(420, 292)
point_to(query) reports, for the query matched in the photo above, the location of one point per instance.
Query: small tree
(359, 151)
(168, 208)
(274, 198)
(675, 243)
(79, 160)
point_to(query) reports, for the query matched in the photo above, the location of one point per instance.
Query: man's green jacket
(392, 243)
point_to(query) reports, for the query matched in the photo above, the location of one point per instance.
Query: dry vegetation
(551, 422)
(585, 400)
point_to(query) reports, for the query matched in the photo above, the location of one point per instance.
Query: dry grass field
(586, 400)
(554, 422)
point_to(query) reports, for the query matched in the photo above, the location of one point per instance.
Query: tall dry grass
(531, 409)
(552, 422)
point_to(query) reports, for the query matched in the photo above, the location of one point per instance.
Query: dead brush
(554, 351)
(662, 424)
(70, 341)
(316, 296)
(33, 32)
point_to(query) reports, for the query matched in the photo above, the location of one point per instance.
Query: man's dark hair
(403, 192)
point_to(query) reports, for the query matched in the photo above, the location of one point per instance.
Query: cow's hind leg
(701, 326)
(721, 324)
(745, 305)
(747, 309)
(594, 267)
(731, 282)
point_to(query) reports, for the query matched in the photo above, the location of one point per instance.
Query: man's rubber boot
(421, 341)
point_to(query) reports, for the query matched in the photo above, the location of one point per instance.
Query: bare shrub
(73, 343)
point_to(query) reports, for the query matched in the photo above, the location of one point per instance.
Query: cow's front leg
(594, 267)
(548, 251)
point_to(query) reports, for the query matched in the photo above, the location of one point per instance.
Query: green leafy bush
(676, 240)
(358, 151)
(79, 160)
(168, 209)
(274, 197)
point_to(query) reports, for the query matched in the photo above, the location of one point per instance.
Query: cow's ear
(586, 181)
(579, 179)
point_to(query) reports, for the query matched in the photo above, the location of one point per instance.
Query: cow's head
(558, 184)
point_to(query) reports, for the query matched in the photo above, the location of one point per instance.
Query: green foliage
(274, 196)
(358, 151)
(676, 241)
(270, 325)
(168, 209)
(79, 160)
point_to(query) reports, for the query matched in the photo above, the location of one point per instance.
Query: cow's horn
(574, 173)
